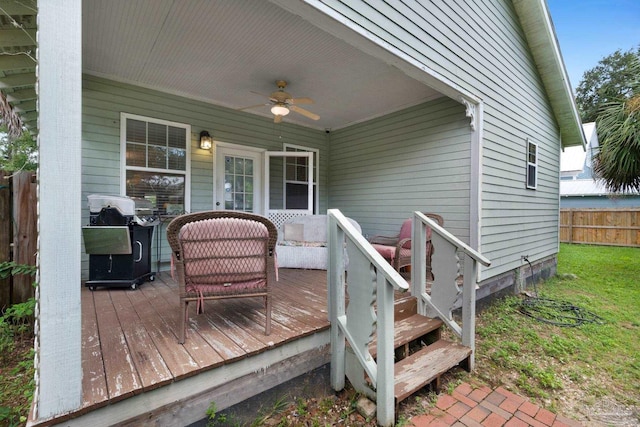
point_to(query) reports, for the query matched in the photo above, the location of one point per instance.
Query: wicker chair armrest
(402, 243)
(384, 240)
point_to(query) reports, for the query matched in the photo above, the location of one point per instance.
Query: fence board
(25, 232)
(5, 235)
(612, 227)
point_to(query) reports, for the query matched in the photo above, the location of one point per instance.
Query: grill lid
(124, 205)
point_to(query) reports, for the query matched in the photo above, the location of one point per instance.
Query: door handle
(217, 203)
(140, 251)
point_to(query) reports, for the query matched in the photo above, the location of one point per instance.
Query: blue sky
(589, 30)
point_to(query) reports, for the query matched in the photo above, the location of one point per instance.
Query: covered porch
(372, 139)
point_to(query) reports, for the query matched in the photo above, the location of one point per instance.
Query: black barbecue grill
(118, 241)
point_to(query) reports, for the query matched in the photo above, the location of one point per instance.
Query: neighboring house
(579, 188)
(460, 110)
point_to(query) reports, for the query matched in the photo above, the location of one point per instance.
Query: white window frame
(123, 155)
(532, 167)
(316, 170)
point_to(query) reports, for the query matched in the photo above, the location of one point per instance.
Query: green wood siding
(104, 100)
(480, 46)
(416, 159)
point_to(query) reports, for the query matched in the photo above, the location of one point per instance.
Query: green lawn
(570, 369)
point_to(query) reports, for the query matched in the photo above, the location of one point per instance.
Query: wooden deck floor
(130, 344)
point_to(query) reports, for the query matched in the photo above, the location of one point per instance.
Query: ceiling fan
(281, 103)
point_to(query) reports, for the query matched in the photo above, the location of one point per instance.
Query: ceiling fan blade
(297, 101)
(253, 106)
(263, 95)
(304, 112)
(277, 118)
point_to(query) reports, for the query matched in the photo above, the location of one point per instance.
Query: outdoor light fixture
(280, 110)
(205, 140)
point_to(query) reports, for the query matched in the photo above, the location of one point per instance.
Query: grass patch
(588, 362)
(16, 381)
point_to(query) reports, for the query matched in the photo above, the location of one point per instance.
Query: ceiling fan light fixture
(279, 110)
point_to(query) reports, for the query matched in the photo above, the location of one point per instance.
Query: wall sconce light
(280, 110)
(205, 140)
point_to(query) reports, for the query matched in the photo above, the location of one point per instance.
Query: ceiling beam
(28, 117)
(23, 107)
(17, 61)
(12, 38)
(13, 8)
(17, 80)
(21, 95)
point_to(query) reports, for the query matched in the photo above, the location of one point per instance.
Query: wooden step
(404, 307)
(408, 330)
(426, 365)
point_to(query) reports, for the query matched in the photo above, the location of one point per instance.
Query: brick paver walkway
(483, 407)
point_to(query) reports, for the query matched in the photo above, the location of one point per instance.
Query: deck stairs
(422, 356)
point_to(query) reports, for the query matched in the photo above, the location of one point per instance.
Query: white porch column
(58, 350)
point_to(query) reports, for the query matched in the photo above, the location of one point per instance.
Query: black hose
(555, 312)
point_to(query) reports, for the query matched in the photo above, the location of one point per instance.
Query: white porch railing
(371, 285)
(446, 269)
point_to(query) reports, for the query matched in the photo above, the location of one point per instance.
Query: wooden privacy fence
(612, 227)
(18, 233)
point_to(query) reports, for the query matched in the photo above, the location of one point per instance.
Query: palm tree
(618, 125)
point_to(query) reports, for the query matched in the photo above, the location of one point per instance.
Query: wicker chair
(222, 254)
(397, 249)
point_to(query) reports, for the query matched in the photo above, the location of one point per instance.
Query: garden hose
(555, 312)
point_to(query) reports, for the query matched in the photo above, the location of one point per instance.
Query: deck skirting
(186, 401)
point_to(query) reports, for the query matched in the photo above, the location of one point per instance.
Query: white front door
(238, 179)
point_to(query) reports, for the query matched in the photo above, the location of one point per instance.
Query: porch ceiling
(221, 51)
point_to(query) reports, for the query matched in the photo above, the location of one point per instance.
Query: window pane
(157, 134)
(239, 184)
(165, 190)
(301, 174)
(177, 159)
(228, 164)
(136, 155)
(239, 202)
(177, 138)
(297, 196)
(239, 165)
(532, 153)
(291, 173)
(136, 131)
(157, 157)
(531, 176)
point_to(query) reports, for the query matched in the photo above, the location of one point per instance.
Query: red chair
(397, 249)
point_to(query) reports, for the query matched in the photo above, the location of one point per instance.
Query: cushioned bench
(302, 242)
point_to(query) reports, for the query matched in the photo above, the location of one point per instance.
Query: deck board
(121, 375)
(93, 381)
(130, 337)
(146, 358)
(162, 298)
(179, 362)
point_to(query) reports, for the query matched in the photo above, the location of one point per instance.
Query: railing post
(469, 307)
(336, 301)
(385, 398)
(419, 263)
